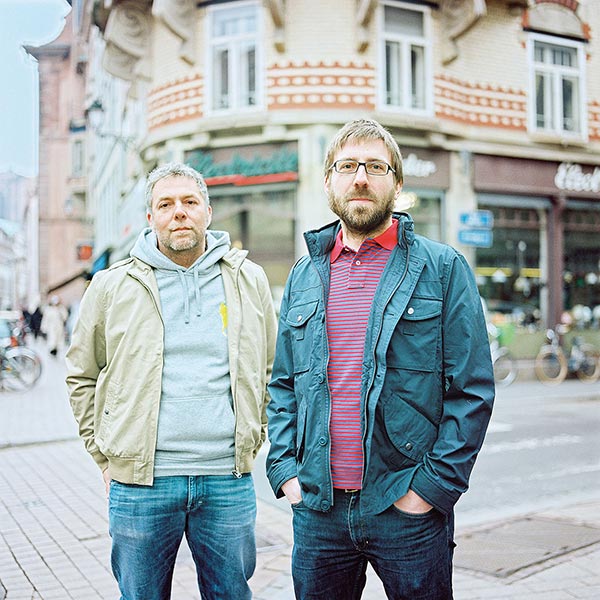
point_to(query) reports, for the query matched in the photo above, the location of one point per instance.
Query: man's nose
(360, 177)
(180, 209)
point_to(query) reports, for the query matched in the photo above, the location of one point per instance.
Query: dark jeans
(217, 515)
(412, 554)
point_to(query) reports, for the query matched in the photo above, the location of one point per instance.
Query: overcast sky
(31, 23)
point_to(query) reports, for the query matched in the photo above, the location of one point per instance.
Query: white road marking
(532, 443)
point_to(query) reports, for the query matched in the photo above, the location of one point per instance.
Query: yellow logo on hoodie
(223, 313)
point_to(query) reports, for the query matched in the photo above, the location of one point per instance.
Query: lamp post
(95, 116)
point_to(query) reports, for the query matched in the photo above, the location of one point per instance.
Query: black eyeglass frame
(364, 164)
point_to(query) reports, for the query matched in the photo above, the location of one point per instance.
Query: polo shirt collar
(388, 240)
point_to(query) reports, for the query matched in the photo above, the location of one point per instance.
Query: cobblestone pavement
(53, 523)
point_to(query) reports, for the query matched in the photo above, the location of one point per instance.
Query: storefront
(253, 191)
(426, 177)
(545, 255)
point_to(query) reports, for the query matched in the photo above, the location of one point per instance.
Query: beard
(360, 218)
(180, 244)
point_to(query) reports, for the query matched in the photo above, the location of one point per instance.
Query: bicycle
(20, 369)
(552, 365)
(505, 366)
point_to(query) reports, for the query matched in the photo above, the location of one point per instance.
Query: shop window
(262, 222)
(425, 211)
(77, 158)
(406, 57)
(581, 277)
(509, 273)
(234, 56)
(557, 78)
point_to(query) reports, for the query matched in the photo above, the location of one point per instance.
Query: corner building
(495, 105)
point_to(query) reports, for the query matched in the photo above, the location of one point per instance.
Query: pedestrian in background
(35, 322)
(382, 387)
(52, 325)
(167, 372)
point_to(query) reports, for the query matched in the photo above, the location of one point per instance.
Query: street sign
(477, 219)
(482, 238)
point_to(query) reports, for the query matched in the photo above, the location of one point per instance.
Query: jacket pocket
(106, 418)
(300, 431)
(410, 432)
(420, 328)
(300, 319)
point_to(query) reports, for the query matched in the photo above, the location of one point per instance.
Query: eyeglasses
(372, 167)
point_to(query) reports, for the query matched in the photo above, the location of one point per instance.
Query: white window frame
(77, 157)
(557, 72)
(406, 42)
(233, 45)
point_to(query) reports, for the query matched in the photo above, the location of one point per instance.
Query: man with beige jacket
(167, 373)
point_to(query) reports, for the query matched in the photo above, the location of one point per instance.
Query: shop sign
(253, 166)
(413, 166)
(481, 238)
(571, 177)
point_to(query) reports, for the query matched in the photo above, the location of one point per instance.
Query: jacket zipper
(236, 472)
(368, 388)
(149, 290)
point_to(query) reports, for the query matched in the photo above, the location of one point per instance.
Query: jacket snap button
(299, 317)
(408, 446)
(322, 441)
(325, 505)
(411, 310)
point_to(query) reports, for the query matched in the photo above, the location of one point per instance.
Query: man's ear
(149, 218)
(209, 211)
(326, 184)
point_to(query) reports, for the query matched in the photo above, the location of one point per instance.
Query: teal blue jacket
(427, 382)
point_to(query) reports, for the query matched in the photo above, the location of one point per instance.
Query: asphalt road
(542, 447)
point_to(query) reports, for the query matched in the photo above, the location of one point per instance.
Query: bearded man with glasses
(382, 387)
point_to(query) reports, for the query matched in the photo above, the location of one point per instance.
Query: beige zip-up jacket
(114, 364)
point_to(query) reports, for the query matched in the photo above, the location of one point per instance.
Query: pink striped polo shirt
(354, 279)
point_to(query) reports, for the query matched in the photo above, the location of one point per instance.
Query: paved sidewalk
(54, 542)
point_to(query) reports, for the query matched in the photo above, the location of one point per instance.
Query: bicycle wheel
(589, 368)
(551, 366)
(505, 367)
(21, 369)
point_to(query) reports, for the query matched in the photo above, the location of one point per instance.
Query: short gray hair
(174, 169)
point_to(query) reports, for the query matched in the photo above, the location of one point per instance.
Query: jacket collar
(321, 241)
(233, 259)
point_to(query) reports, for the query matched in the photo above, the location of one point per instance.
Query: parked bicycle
(505, 365)
(20, 369)
(552, 365)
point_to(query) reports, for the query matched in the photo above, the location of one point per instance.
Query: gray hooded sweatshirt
(196, 420)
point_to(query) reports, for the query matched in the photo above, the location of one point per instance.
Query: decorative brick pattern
(178, 100)
(353, 86)
(594, 120)
(570, 4)
(321, 85)
(480, 104)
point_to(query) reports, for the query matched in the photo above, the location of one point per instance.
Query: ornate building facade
(64, 233)
(495, 105)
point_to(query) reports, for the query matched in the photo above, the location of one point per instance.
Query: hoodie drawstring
(197, 293)
(186, 301)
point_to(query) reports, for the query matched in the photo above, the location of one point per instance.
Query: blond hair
(360, 130)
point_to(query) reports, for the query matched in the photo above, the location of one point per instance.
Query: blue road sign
(482, 238)
(477, 219)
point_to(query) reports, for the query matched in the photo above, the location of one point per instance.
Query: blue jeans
(411, 554)
(147, 523)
